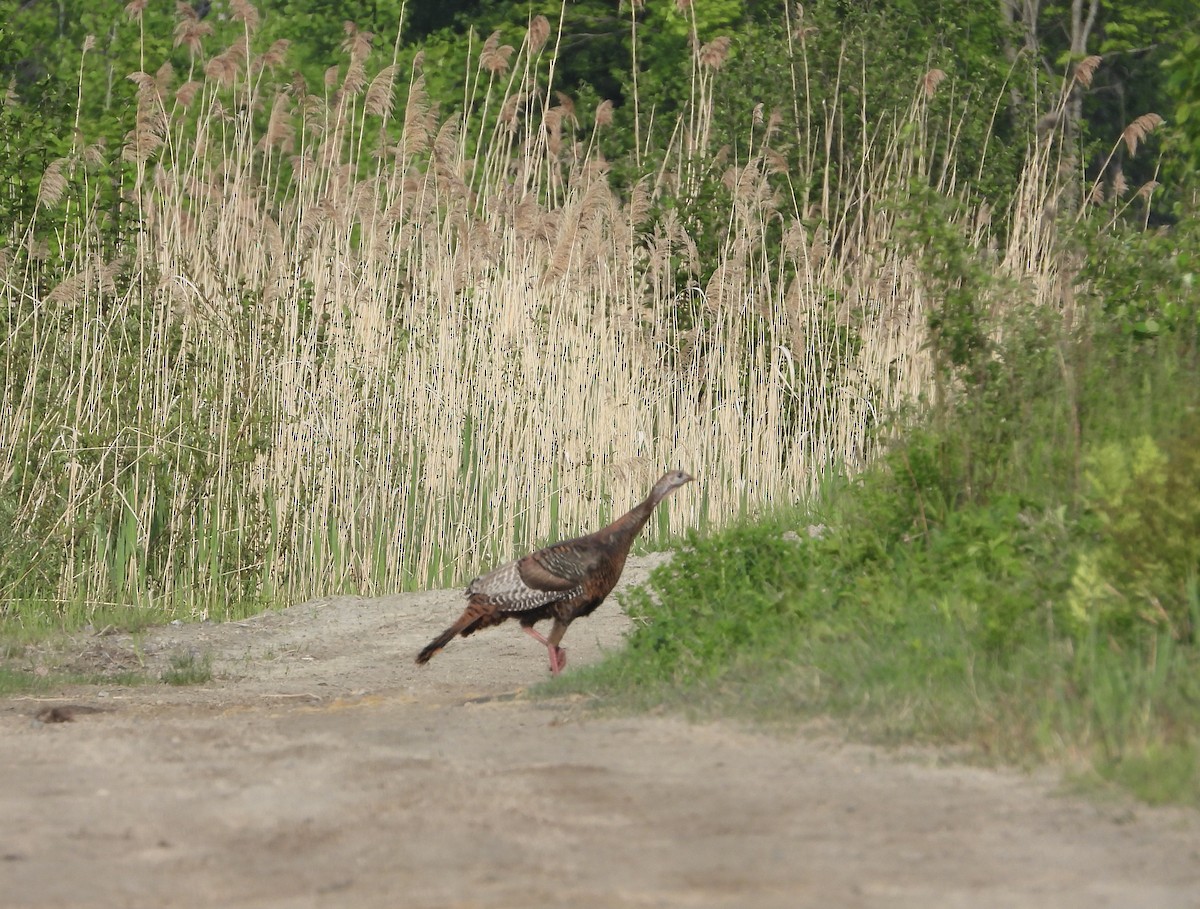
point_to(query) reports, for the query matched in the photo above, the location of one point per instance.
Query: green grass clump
(188, 669)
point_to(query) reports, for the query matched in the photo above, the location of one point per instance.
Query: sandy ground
(321, 767)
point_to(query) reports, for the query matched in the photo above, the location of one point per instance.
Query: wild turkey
(561, 582)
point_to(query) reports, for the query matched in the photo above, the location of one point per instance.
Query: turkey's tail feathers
(437, 644)
(475, 616)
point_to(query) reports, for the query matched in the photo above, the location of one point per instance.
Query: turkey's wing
(562, 566)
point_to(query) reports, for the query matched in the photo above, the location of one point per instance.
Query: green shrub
(1145, 283)
(729, 593)
(1142, 572)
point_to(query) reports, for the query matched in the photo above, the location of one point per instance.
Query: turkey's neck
(629, 525)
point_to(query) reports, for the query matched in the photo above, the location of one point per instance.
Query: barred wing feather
(508, 589)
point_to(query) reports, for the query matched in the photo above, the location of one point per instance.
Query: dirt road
(322, 768)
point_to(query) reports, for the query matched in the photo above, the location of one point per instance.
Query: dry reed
(344, 370)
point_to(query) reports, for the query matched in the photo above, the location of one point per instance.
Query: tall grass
(355, 343)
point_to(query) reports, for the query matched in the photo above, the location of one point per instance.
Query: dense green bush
(1146, 284)
(745, 601)
(1143, 571)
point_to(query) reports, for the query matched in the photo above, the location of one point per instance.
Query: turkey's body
(561, 582)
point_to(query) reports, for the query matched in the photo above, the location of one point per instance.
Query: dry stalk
(376, 372)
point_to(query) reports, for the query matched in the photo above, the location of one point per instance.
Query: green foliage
(741, 599)
(1146, 283)
(1145, 567)
(1182, 74)
(959, 283)
(665, 34)
(30, 138)
(31, 554)
(315, 29)
(44, 51)
(1136, 709)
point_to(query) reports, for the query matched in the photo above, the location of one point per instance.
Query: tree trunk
(1024, 15)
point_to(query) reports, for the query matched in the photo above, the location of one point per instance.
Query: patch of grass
(188, 668)
(41, 656)
(36, 621)
(1161, 774)
(16, 681)
(23, 681)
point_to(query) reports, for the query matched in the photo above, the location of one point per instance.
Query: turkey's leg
(558, 656)
(535, 634)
